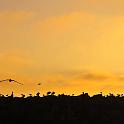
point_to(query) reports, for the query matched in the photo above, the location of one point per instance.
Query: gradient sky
(69, 46)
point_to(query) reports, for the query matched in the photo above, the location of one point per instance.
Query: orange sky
(69, 46)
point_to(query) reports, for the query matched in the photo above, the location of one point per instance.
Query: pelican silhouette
(10, 80)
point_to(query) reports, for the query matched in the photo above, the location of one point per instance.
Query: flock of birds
(11, 80)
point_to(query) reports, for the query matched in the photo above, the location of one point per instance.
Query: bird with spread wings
(10, 80)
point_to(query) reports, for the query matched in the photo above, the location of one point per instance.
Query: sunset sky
(69, 46)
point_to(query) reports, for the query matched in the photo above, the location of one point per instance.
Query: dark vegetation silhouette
(62, 109)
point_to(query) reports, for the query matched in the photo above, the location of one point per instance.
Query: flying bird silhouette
(39, 84)
(10, 80)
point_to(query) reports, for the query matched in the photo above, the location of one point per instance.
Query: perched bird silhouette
(10, 80)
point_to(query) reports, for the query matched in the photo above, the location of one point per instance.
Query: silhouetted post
(12, 95)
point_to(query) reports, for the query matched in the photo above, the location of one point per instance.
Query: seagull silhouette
(10, 80)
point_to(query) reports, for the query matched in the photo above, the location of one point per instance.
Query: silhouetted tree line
(60, 109)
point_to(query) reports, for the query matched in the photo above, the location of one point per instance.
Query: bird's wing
(17, 82)
(4, 80)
